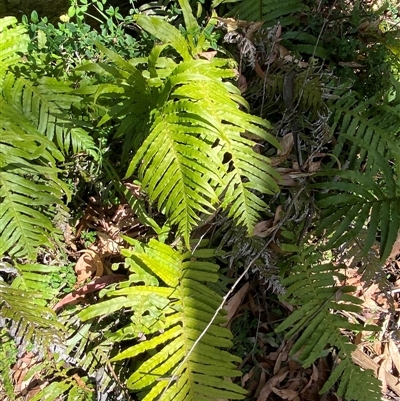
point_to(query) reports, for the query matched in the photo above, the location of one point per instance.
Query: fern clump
(186, 118)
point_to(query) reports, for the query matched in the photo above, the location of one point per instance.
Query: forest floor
(253, 311)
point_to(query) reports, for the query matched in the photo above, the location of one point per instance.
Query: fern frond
(270, 11)
(29, 183)
(8, 357)
(183, 312)
(352, 378)
(312, 286)
(369, 200)
(47, 105)
(13, 42)
(372, 122)
(37, 278)
(28, 186)
(30, 322)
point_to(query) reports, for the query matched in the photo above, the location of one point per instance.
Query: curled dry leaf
(88, 265)
(242, 83)
(283, 153)
(96, 285)
(263, 228)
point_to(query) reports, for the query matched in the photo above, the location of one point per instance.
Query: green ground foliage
(223, 114)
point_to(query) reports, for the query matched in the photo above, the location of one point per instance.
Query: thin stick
(224, 299)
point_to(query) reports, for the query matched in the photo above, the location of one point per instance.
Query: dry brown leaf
(286, 394)
(233, 304)
(232, 24)
(383, 370)
(278, 363)
(242, 83)
(261, 383)
(286, 144)
(272, 382)
(313, 167)
(107, 245)
(278, 214)
(259, 71)
(253, 27)
(395, 249)
(88, 265)
(263, 228)
(282, 50)
(283, 153)
(96, 285)
(395, 355)
(208, 55)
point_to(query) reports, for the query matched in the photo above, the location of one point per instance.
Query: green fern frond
(312, 286)
(373, 122)
(29, 320)
(29, 183)
(176, 297)
(37, 278)
(13, 42)
(363, 201)
(8, 357)
(351, 380)
(190, 119)
(270, 11)
(47, 105)
(28, 186)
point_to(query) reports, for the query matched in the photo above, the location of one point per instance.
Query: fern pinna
(171, 299)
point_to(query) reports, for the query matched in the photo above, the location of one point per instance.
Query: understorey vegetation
(155, 159)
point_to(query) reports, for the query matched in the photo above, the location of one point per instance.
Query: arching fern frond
(270, 11)
(373, 122)
(171, 304)
(47, 105)
(28, 321)
(29, 186)
(364, 200)
(312, 286)
(180, 161)
(29, 183)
